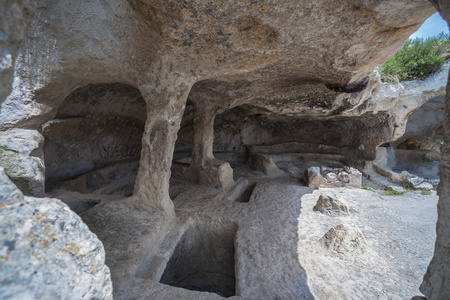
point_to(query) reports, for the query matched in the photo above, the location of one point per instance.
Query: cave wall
(424, 130)
(237, 130)
(95, 126)
(436, 283)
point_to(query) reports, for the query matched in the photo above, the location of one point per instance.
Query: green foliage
(417, 59)
(425, 192)
(392, 192)
(366, 187)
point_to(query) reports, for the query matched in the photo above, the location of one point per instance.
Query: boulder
(314, 178)
(415, 182)
(343, 239)
(331, 177)
(344, 177)
(47, 251)
(424, 186)
(411, 180)
(331, 205)
(217, 174)
(355, 178)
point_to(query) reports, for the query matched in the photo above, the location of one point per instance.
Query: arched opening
(418, 150)
(92, 146)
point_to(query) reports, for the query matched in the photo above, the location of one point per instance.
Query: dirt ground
(400, 233)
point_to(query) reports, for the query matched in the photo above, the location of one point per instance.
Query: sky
(432, 26)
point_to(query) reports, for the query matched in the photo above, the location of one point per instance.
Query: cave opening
(92, 146)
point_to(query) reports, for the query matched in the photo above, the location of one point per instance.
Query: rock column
(436, 282)
(164, 113)
(204, 167)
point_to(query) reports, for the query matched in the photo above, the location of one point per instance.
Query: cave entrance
(92, 146)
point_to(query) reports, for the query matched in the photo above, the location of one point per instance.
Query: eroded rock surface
(436, 283)
(47, 251)
(345, 240)
(260, 74)
(331, 205)
(337, 177)
(15, 16)
(21, 157)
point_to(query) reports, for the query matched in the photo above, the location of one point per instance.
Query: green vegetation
(392, 192)
(366, 187)
(425, 192)
(418, 59)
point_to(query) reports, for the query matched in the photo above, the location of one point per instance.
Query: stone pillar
(436, 282)
(202, 148)
(204, 167)
(164, 113)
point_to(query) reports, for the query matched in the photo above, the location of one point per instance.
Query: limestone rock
(294, 171)
(331, 205)
(344, 177)
(22, 158)
(424, 129)
(436, 281)
(15, 16)
(217, 174)
(264, 163)
(344, 240)
(337, 177)
(355, 178)
(415, 182)
(331, 177)
(314, 178)
(9, 193)
(325, 170)
(47, 251)
(411, 180)
(424, 186)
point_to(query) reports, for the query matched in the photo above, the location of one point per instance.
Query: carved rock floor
(260, 240)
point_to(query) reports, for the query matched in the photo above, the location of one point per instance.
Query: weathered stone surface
(344, 177)
(337, 177)
(325, 170)
(218, 175)
(355, 178)
(47, 251)
(173, 47)
(95, 126)
(314, 178)
(246, 56)
(436, 282)
(9, 193)
(344, 240)
(424, 129)
(424, 185)
(263, 163)
(331, 205)
(15, 16)
(331, 177)
(22, 158)
(415, 182)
